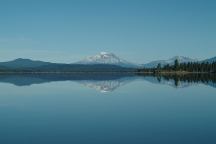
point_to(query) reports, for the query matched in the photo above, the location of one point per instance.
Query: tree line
(204, 67)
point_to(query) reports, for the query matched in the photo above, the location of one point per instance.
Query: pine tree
(159, 66)
(176, 65)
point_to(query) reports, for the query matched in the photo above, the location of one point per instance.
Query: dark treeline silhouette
(183, 67)
(190, 78)
(67, 68)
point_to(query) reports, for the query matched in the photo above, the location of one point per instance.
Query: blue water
(129, 111)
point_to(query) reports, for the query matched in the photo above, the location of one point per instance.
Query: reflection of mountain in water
(102, 86)
(109, 82)
(107, 85)
(212, 84)
(101, 82)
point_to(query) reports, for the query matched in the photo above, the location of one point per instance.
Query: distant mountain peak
(21, 60)
(106, 58)
(181, 59)
(23, 63)
(178, 57)
(210, 60)
(106, 53)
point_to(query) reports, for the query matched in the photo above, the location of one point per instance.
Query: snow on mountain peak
(170, 61)
(106, 58)
(105, 53)
(103, 58)
(182, 58)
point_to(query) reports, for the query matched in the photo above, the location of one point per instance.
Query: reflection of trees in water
(110, 82)
(192, 78)
(159, 78)
(176, 79)
(187, 78)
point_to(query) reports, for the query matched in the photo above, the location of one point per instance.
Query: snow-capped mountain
(211, 60)
(107, 58)
(170, 61)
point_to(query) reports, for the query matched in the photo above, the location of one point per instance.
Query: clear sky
(136, 30)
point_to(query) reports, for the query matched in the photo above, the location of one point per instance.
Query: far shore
(84, 72)
(173, 72)
(113, 72)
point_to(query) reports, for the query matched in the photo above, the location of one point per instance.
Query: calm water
(106, 109)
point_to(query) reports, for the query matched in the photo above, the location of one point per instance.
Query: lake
(107, 109)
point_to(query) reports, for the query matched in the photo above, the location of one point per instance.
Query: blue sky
(136, 30)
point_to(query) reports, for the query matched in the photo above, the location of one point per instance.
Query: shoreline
(175, 72)
(93, 72)
(114, 72)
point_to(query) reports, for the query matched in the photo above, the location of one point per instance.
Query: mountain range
(211, 60)
(181, 59)
(103, 61)
(170, 61)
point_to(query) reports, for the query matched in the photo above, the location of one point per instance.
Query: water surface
(80, 109)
